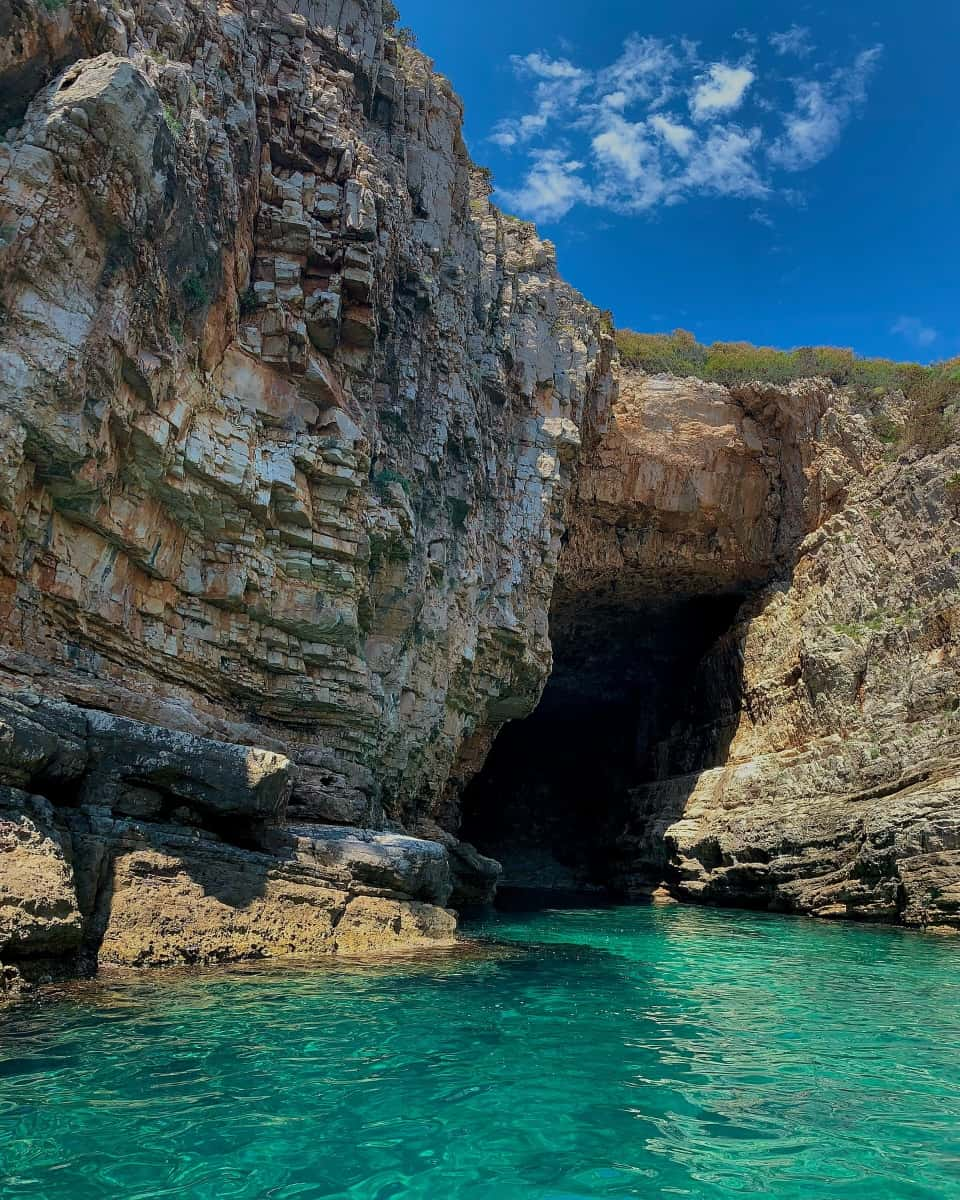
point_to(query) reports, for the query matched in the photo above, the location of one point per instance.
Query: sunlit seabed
(586, 1052)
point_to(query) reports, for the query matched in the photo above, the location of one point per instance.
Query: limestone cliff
(811, 762)
(288, 419)
(313, 473)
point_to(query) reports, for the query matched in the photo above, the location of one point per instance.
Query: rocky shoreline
(315, 477)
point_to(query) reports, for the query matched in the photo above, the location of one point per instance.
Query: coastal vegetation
(932, 392)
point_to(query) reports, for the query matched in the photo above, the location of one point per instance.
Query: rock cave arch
(689, 501)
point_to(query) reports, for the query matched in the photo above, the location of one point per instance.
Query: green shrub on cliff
(741, 362)
(387, 476)
(934, 391)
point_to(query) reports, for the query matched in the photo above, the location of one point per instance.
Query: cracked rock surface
(288, 421)
(305, 454)
(814, 767)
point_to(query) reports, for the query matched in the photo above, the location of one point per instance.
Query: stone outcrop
(812, 763)
(312, 471)
(839, 792)
(288, 421)
(167, 848)
(39, 913)
(691, 488)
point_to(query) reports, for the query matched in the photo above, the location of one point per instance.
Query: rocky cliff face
(808, 761)
(291, 421)
(289, 418)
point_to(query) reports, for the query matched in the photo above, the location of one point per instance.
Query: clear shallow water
(621, 1052)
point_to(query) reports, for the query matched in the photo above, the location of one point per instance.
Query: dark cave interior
(639, 692)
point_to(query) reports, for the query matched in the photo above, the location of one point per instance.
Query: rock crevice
(799, 752)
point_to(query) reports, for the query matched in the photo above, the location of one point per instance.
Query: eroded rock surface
(839, 795)
(165, 848)
(306, 452)
(288, 421)
(825, 714)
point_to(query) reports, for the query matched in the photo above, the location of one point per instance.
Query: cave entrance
(638, 693)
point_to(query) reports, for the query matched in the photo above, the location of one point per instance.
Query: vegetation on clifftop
(934, 391)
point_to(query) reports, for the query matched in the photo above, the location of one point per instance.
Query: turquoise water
(621, 1052)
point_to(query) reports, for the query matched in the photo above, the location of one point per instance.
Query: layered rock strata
(160, 848)
(306, 454)
(813, 763)
(288, 421)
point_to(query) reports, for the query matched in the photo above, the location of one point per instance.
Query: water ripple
(615, 1052)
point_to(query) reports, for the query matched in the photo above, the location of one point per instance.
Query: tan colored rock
(158, 896)
(164, 912)
(291, 420)
(319, 355)
(39, 913)
(693, 488)
(372, 925)
(836, 790)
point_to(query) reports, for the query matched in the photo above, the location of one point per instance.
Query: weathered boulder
(410, 866)
(39, 911)
(159, 895)
(330, 793)
(207, 904)
(136, 767)
(475, 875)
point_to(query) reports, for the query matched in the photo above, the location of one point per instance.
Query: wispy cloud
(723, 163)
(551, 187)
(659, 125)
(644, 73)
(559, 83)
(821, 111)
(796, 40)
(915, 331)
(679, 137)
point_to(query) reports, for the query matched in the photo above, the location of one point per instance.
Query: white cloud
(559, 84)
(551, 187)
(820, 112)
(723, 163)
(811, 130)
(796, 40)
(762, 218)
(915, 331)
(625, 147)
(644, 72)
(721, 90)
(678, 137)
(629, 167)
(548, 68)
(617, 137)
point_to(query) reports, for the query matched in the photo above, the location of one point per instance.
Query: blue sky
(786, 174)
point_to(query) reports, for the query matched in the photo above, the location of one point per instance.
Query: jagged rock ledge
(127, 844)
